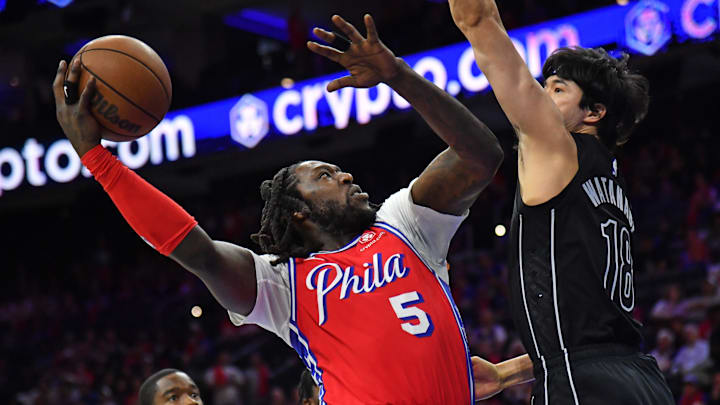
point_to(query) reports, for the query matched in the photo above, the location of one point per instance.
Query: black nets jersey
(571, 268)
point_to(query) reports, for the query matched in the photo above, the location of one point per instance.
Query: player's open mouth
(356, 191)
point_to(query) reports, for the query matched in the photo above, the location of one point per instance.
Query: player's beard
(341, 221)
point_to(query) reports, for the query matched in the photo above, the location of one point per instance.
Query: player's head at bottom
(596, 91)
(308, 205)
(307, 390)
(169, 386)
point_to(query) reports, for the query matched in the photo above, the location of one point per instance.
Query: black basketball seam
(117, 92)
(167, 95)
(131, 138)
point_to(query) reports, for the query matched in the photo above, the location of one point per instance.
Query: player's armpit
(226, 269)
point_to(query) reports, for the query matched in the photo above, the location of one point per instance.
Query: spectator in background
(692, 395)
(225, 381)
(169, 386)
(258, 377)
(710, 321)
(692, 353)
(277, 396)
(714, 394)
(664, 351)
(668, 307)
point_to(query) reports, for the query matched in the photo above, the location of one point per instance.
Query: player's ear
(595, 113)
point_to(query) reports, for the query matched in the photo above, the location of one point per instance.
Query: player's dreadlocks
(277, 235)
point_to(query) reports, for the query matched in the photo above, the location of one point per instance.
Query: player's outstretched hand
(487, 378)
(468, 13)
(368, 60)
(80, 127)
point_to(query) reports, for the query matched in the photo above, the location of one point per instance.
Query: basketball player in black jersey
(571, 268)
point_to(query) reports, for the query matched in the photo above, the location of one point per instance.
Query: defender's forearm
(472, 140)
(518, 370)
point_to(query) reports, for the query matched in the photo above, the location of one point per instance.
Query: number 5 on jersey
(403, 306)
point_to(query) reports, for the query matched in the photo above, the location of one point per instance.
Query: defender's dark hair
(305, 386)
(608, 81)
(277, 235)
(149, 387)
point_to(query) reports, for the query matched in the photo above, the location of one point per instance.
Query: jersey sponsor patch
(367, 237)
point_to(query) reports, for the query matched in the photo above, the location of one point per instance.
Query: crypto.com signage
(644, 27)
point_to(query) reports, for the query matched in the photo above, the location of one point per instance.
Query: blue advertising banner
(644, 27)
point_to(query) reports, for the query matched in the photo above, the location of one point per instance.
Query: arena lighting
(2, 5)
(245, 121)
(500, 230)
(196, 311)
(287, 82)
(59, 3)
(259, 22)
(73, 47)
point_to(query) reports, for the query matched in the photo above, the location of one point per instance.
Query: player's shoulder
(269, 261)
(394, 205)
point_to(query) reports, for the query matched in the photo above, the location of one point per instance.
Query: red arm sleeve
(160, 221)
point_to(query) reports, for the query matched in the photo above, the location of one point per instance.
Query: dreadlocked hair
(608, 81)
(277, 235)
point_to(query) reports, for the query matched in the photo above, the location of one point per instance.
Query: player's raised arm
(454, 179)
(547, 153)
(226, 269)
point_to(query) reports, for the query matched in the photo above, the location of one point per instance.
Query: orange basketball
(133, 85)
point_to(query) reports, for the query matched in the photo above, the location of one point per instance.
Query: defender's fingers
(87, 95)
(347, 28)
(326, 36)
(372, 34)
(57, 85)
(337, 84)
(326, 51)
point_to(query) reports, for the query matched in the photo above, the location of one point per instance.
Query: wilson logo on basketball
(367, 237)
(110, 113)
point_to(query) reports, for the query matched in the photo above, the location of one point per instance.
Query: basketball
(133, 85)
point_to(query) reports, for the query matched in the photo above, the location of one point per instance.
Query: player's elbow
(497, 155)
(492, 158)
(487, 163)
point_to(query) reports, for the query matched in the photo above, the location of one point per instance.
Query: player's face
(177, 388)
(315, 400)
(336, 202)
(567, 95)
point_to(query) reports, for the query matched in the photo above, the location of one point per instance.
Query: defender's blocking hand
(368, 60)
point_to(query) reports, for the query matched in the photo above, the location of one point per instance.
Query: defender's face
(177, 388)
(567, 95)
(323, 184)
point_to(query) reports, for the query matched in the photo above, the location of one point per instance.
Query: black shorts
(601, 375)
